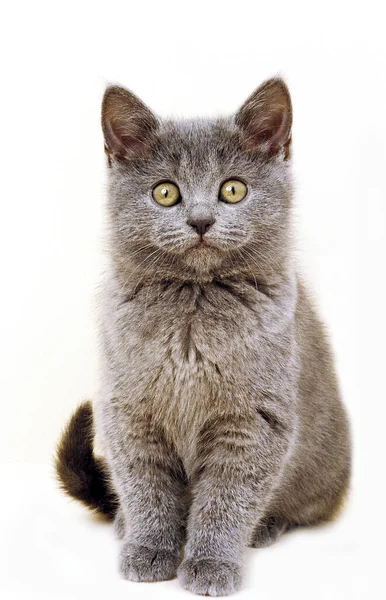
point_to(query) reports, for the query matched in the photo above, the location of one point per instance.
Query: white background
(183, 59)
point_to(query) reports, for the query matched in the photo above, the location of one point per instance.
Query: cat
(219, 410)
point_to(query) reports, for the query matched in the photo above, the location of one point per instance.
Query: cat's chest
(186, 356)
(194, 364)
(197, 342)
(191, 332)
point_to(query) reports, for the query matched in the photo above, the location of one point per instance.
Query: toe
(138, 563)
(210, 577)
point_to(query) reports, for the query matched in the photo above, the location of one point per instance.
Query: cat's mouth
(202, 243)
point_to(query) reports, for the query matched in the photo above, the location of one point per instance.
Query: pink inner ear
(128, 138)
(128, 125)
(279, 126)
(271, 129)
(135, 140)
(266, 118)
(113, 139)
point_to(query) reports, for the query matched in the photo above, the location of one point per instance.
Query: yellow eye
(233, 191)
(166, 193)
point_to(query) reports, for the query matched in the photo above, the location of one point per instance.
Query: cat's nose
(201, 224)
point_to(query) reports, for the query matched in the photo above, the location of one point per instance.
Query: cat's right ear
(128, 125)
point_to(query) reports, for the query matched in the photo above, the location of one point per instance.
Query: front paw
(210, 577)
(139, 563)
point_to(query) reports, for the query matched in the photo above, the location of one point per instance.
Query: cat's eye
(166, 193)
(233, 191)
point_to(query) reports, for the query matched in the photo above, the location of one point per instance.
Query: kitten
(219, 408)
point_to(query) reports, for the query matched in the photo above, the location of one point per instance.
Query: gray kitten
(219, 408)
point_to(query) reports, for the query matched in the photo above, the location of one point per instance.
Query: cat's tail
(81, 474)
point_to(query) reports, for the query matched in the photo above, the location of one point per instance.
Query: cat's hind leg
(268, 531)
(119, 524)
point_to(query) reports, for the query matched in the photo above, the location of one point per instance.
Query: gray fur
(219, 409)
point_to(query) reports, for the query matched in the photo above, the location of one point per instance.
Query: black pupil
(166, 191)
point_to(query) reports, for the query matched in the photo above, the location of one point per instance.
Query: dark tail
(81, 474)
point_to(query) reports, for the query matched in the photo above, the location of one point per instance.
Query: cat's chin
(203, 257)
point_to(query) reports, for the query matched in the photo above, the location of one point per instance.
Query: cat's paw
(138, 563)
(268, 531)
(210, 577)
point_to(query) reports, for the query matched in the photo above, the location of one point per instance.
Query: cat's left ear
(265, 119)
(129, 126)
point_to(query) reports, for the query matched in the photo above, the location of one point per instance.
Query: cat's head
(199, 199)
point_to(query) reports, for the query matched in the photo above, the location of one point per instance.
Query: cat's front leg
(150, 483)
(239, 461)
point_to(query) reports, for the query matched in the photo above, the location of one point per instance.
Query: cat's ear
(265, 119)
(129, 126)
